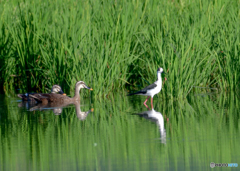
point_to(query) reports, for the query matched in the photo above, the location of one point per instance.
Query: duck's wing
(26, 97)
(58, 98)
(39, 96)
(21, 95)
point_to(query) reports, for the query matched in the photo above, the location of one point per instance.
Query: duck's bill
(61, 92)
(89, 88)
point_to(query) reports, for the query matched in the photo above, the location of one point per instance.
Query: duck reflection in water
(57, 108)
(27, 104)
(156, 117)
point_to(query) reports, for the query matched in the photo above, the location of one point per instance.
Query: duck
(26, 97)
(59, 98)
(152, 89)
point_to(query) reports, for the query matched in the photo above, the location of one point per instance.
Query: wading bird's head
(160, 70)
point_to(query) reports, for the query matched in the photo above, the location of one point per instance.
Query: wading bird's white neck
(159, 78)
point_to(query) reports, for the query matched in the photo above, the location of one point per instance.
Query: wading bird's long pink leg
(147, 107)
(146, 102)
(152, 103)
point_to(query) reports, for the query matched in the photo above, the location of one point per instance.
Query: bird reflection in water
(27, 104)
(156, 117)
(56, 107)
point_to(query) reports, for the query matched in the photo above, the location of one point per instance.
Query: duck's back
(45, 98)
(59, 98)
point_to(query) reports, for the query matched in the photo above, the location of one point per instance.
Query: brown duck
(55, 89)
(59, 97)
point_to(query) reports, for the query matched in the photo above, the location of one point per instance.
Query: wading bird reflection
(156, 117)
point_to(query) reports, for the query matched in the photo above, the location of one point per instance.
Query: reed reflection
(156, 117)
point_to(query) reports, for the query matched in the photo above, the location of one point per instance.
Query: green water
(189, 135)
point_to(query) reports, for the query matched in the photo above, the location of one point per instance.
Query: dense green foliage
(201, 130)
(111, 44)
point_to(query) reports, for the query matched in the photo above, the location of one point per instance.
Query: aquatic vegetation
(114, 44)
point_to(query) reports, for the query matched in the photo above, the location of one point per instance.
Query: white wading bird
(152, 89)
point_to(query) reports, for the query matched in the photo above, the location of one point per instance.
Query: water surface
(121, 134)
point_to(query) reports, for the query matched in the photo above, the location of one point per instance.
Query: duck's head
(57, 89)
(81, 84)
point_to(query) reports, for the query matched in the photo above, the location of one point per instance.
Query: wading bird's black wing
(151, 86)
(144, 91)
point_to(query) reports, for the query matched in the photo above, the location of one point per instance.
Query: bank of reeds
(111, 44)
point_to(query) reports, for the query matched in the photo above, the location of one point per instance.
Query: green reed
(113, 44)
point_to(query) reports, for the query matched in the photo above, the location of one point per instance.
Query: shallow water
(121, 134)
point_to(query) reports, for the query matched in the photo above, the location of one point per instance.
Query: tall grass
(111, 44)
